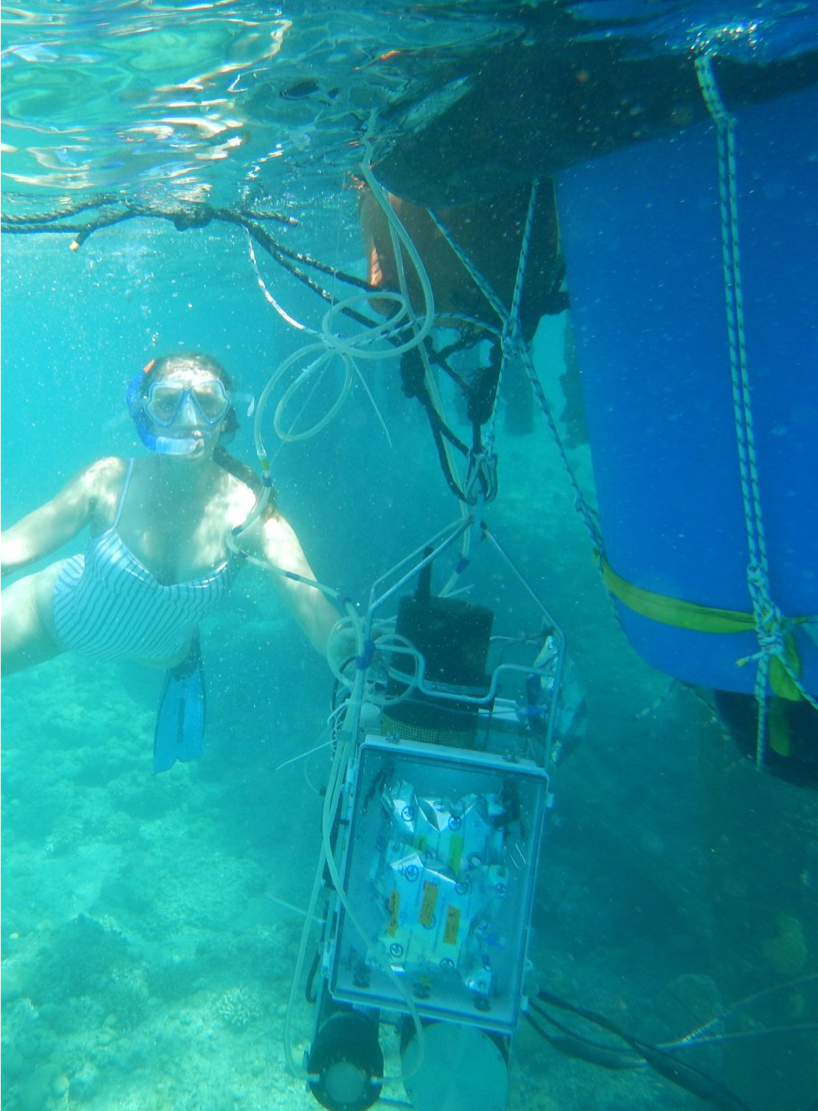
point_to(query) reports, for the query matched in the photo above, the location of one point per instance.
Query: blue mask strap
(164, 445)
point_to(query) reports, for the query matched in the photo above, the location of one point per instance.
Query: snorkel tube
(164, 445)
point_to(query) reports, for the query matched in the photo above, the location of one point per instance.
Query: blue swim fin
(180, 721)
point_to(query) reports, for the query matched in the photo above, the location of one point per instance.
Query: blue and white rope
(771, 625)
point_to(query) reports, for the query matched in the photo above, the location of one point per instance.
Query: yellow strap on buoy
(705, 619)
(780, 681)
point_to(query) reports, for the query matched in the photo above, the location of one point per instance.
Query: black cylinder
(347, 1062)
(453, 638)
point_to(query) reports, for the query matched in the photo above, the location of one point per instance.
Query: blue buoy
(643, 238)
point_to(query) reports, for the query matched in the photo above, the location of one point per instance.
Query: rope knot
(510, 342)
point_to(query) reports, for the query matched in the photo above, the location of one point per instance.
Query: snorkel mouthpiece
(163, 445)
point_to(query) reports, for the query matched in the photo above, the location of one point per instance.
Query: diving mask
(165, 399)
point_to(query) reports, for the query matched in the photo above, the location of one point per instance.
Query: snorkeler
(158, 558)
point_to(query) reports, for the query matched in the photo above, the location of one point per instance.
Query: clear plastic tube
(381, 330)
(366, 344)
(389, 642)
(294, 387)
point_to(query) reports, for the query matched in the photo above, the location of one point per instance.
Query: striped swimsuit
(107, 605)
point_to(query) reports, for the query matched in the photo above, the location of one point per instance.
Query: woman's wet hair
(194, 360)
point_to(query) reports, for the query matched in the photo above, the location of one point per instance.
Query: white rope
(771, 625)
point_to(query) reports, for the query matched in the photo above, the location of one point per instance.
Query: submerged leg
(27, 636)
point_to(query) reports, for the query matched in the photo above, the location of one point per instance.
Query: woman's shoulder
(237, 500)
(99, 476)
(101, 484)
(104, 474)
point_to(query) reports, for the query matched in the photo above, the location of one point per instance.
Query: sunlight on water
(147, 95)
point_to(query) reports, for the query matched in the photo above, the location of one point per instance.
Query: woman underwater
(158, 558)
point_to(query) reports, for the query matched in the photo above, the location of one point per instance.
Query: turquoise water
(150, 924)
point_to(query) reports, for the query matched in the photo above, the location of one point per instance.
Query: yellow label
(427, 907)
(393, 902)
(455, 854)
(452, 926)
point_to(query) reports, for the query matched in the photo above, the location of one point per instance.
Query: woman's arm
(56, 522)
(310, 607)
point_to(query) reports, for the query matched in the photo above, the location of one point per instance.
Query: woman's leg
(27, 635)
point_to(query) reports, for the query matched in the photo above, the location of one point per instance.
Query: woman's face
(189, 403)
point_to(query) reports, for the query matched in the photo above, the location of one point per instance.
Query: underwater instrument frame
(433, 817)
(446, 735)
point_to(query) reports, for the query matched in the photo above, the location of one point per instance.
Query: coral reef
(239, 1007)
